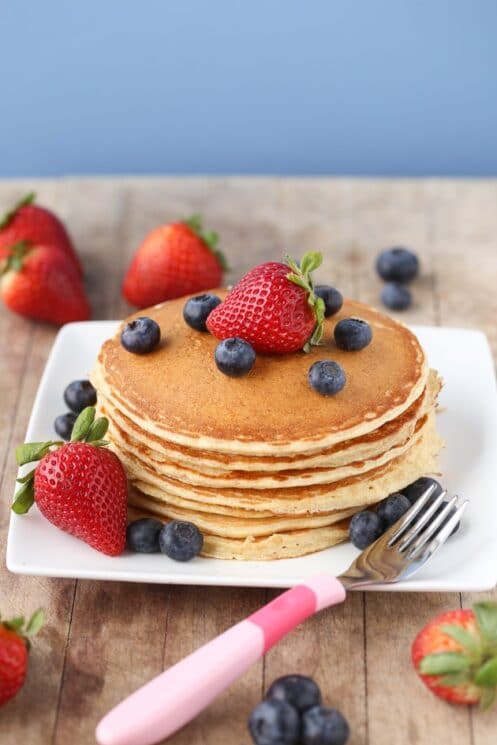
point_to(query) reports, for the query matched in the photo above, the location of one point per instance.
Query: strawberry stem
(209, 237)
(7, 217)
(301, 275)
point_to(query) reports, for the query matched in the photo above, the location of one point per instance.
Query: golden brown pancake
(177, 393)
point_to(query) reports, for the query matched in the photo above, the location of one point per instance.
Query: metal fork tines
(410, 543)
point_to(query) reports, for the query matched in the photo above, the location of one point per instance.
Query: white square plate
(468, 423)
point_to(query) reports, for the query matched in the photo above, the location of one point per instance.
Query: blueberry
(365, 527)
(180, 540)
(197, 309)
(324, 726)
(326, 377)
(79, 394)
(397, 265)
(142, 535)
(395, 296)
(141, 335)
(333, 300)
(298, 690)
(234, 357)
(352, 334)
(415, 490)
(64, 423)
(392, 508)
(274, 722)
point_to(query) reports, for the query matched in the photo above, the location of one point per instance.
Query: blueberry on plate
(392, 508)
(142, 535)
(415, 490)
(365, 528)
(197, 309)
(234, 357)
(352, 334)
(333, 299)
(324, 726)
(397, 265)
(299, 691)
(274, 722)
(79, 394)
(64, 423)
(326, 377)
(140, 336)
(180, 540)
(396, 296)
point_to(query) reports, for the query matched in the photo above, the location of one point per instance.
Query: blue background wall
(262, 86)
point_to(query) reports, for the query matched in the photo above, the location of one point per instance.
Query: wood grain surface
(104, 639)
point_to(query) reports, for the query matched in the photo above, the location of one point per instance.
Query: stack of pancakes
(266, 467)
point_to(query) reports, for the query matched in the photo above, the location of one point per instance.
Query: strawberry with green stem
(274, 307)
(15, 642)
(79, 486)
(455, 655)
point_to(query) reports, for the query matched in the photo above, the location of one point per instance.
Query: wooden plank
(464, 225)
(381, 215)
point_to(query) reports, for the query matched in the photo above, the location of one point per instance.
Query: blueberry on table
(79, 394)
(274, 722)
(396, 296)
(324, 726)
(326, 377)
(180, 540)
(64, 423)
(197, 310)
(234, 357)
(397, 265)
(333, 299)
(299, 691)
(142, 535)
(352, 334)
(140, 336)
(365, 528)
(415, 490)
(392, 508)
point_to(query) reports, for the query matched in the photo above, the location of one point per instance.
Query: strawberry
(39, 282)
(273, 307)
(29, 222)
(15, 638)
(80, 487)
(455, 655)
(174, 260)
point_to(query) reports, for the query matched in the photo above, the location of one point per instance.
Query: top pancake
(177, 393)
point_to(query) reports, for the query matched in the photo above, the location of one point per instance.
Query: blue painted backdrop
(263, 86)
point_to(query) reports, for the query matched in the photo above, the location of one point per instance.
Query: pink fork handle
(176, 696)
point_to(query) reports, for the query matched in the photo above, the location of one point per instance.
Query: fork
(172, 699)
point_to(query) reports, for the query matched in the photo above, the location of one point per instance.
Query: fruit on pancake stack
(225, 421)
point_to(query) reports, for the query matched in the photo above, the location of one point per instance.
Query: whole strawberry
(455, 655)
(174, 260)
(15, 638)
(41, 283)
(80, 487)
(28, 222)
(273, 307)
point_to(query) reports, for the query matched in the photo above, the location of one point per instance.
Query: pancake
(177, 393)
(358, 491)
(393, 433)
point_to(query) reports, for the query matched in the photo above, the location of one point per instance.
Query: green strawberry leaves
(15, 260)
(486, 618)
(465, 638)
(301, 275)
(26, 630)
(7, 217)
(209, 237)
(86, 429)
(444, 663)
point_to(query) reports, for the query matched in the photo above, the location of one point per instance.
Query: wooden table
(104, 639)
